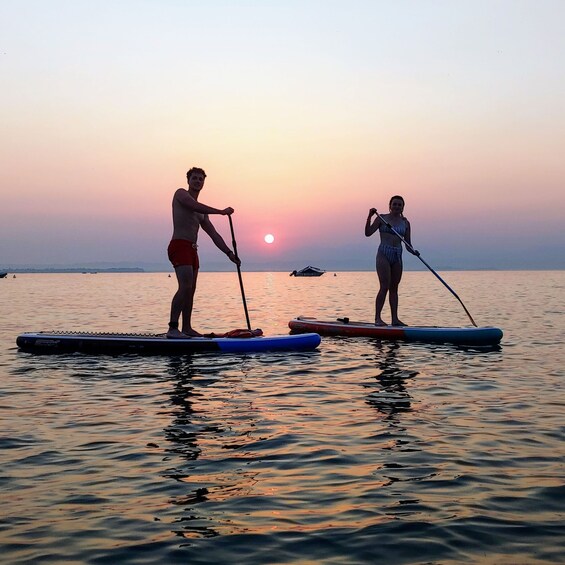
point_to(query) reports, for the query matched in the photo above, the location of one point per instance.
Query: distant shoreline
(133, 270)
(74, 270)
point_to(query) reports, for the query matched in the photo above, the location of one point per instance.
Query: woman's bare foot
(379, 322)
(398, 323)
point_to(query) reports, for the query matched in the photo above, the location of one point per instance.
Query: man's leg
(182, 298)
(187, 308)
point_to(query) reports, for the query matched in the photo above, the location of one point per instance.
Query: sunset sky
(304, 113)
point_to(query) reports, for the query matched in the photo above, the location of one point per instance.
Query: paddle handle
(408, 245)
(234, 244)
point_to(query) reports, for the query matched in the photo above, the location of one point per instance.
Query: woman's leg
(384, 274)
(396, 275)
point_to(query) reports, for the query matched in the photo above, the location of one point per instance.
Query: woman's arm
(408, 239)
(370, 229)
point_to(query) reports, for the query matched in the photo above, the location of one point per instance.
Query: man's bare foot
(175, 333)
(380, 323)
(398, 323)
(191, 333)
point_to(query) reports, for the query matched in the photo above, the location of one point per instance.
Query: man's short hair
(195, 170)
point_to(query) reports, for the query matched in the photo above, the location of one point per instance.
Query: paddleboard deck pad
(158, 344)
(428, 334)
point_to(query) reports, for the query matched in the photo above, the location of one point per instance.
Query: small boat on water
(3, 275)
(308, 272)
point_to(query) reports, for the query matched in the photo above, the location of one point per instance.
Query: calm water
(360, 452)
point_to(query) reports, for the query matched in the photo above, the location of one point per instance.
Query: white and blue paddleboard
(158, 344)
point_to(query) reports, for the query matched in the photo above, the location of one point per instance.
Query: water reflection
(181, 432)
(402, 464)
(209, 434)
(390, 397)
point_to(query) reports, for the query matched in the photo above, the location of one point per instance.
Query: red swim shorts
(183, 252)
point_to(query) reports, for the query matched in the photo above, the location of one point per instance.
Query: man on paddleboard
(189, 216)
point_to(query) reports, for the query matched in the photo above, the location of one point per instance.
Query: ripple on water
(361, 452)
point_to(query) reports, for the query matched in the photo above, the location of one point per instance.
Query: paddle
(417, 253)
(239, 274)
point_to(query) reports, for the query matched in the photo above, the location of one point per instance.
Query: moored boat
(308, 272)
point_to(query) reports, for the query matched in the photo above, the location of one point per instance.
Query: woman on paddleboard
(389, 255)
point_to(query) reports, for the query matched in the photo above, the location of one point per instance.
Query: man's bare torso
(185, 222)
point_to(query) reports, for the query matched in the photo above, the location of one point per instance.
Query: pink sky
(304, 117)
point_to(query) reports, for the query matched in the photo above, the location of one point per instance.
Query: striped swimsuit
(392, 253)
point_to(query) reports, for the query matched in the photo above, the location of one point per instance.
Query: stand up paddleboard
(428, 334)
(151, 344)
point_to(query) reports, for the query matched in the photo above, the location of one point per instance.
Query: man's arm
(218, 240)
(188, 202)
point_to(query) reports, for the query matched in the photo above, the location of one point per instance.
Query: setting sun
(269, 238)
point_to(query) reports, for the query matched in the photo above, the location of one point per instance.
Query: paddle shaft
(239, 274)
(419, 257)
